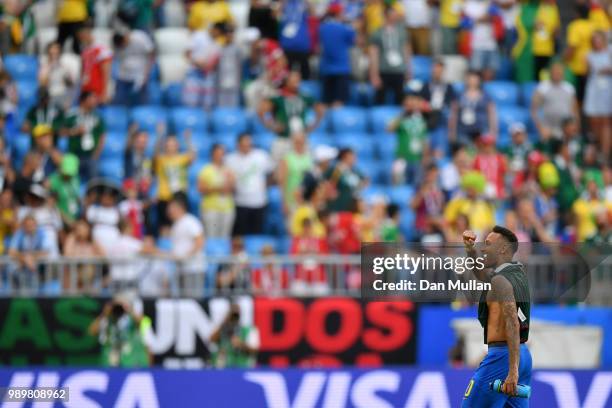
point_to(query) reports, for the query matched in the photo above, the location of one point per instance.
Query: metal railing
(320, 275)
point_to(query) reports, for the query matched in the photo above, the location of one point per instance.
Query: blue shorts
(478, 393)
(485, 59)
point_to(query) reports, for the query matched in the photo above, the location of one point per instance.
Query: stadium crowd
(295, 127)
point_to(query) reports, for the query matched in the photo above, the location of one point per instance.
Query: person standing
(292, 169)
(418, 24)
(390, 58)
(251, 167)
(71, 16)
(294, 37)
(96, 62)
(579, 34)
(134, 52)
(504, 313)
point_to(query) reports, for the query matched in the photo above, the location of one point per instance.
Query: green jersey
(290, 111)
(50, 115)
(122, 343)
(411, 138)
(67, 192)
(228, 356)
(85, 144)
(520, 286)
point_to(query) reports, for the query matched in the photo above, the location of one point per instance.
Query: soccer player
(503, 312)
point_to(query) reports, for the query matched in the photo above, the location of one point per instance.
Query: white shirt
(135, 56)
(417, 13)
(122, 249)
(202, 47)
(251, 170)
(105, 221)
(483, 37)
(182, 238)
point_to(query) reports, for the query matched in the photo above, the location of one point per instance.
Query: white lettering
(365, 388)
(138, 390)
(427, 392)
(85, 381)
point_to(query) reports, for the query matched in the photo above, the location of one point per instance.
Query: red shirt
(493, 167)
(309, 271)
(93, 59)
(270, 278)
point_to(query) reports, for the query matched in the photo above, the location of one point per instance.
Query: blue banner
(380, 388)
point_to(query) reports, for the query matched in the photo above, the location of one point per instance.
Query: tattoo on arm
(502, 290)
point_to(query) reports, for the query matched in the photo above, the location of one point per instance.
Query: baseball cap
(324, 153)
(42, 129)
(517, 127)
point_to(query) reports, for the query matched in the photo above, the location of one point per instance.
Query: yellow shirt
(585, 212)
(479, 213)
(204, 14)
(72, 11)
(215, 177)
(171, 174)
(579, 35)
(373, 14)
(303, 212)
(547, 22)
(450, 13)
(600, 19)
(7, 218)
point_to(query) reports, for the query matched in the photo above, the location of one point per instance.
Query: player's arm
(502, 292)
(469, 240)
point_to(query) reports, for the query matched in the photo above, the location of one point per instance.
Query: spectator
(64, 184)
(360, 69)
(390, 58)
(598, 100)
(43, 208)
(27, 176)
(390, 229)
(428, 204)
(310, 276)
(50, 157)
(187, 245)
(56, 75)
(412, 145)
(346, 181)
(135, 57)
(493, 166)
(119, 332)
(483, 19)
(310, 208)
(271, 279)
(474, 114)
(374, 14)
(234, 275)
(336, 38)
(285, 115)
(203, 14)
(28, 246)
(8, 94)
(137, 162)
(509, 11)
(96, 66)
(71, 17)
(203, 54)
(294, 36)
(439, 94)
(132, 210)
(579, 35)
(526, 182)
(262, 16)
(268, 68)
(86, 135)
(104, 216)
(137, 14)
(79, 244)
(450, 20)
(171, 171)
(292, 169)
(216, 182)
(471, 204)
(323, 156)
(237, 342)
(8, 221)
(518, 149)
(229, 70)
(590, 206)
(251, 168)
(45, 113)
(7, 175)
(545, 202)
(418, 22)
(530, 223)
(553, 101)
(569, 175)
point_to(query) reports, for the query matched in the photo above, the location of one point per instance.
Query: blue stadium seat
(348, 120)
(257, 125)
(527, 91)
(111, 169)
(275, 199)
(274, 224)
(194, 199)
(148, 117)
(386, 144)
(374, 190)
(164, 243)
(505, 71)
(421, 67)
(115, 118)
(254, 243)
(311, 89)
(228, 140)
(502, 92)
(182, 118)
(373, 170)
(173, 95)
(507, 115)
(114, 146)
(380, 116)
(20, 146)
(401, 195)
(202, 143)
(194, 171)
(154, 93)
(361, 144)
(22, 67)
(407, 224)
(229, 120)
(27, 91)
(459, 87)
(361, 94)
(320, 138)
(264, 140)
(218, 246)
(503, 140)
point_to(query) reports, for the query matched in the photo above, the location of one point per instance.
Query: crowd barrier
(359, 388)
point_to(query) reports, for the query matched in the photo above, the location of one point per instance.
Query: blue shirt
(23, 242)
(336, 41)
(294, 35)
